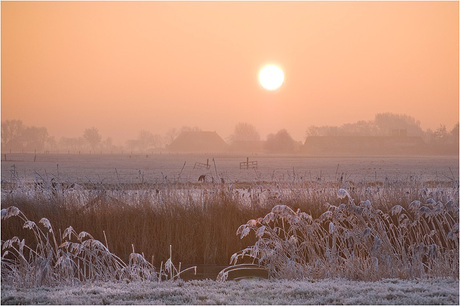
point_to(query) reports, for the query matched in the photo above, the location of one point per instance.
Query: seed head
(396, 210)
(29, 224)
(10, 212)
(46, 223)
(331, 227)
(342, 194)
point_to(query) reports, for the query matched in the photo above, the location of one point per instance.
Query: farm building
(376, 145)
(198, 142)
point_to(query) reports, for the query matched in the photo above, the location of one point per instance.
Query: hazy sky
(123, 67)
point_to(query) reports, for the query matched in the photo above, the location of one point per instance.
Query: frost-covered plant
(129, 213)
(356, 241)
(168, 271)
(78, 258)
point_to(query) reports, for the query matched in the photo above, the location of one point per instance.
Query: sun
(271, 77)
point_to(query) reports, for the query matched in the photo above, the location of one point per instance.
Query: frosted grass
(248, 292)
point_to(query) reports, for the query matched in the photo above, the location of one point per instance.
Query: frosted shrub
(355, 241)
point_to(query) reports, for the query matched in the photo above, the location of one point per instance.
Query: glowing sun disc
(271, 77)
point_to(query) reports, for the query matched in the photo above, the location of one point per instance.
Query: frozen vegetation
(329, 291)
(318, 241)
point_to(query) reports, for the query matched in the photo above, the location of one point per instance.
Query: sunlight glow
(271, 77)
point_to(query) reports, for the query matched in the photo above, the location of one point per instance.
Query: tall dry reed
(356, 240)
(198, 220)
(77, 258)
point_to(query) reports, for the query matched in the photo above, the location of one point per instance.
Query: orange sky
(123, 67)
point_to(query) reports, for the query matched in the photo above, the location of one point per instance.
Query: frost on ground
(332, 291)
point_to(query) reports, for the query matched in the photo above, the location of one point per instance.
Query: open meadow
(186, 168)
(104, 223)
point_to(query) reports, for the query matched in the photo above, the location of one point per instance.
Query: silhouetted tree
(71, 143)
(51, 143)
(34, 138)
(145, 140)
(325, 130)
(386, 122)
(360, 128)
(244, 132)
(281, 142)
(382, 125)
(108, 146)
(170, 136)
(442, 141)
(440, 134)
(11, 134)
(454, 133)
(18, 137)
(150, 140)
(93, 137)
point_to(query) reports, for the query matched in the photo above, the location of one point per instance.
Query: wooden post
(247, 162)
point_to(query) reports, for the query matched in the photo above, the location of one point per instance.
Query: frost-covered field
(184, 168)
(333, 291)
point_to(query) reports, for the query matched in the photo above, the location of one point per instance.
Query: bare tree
(16, 136)
(454, 133)
(170, 136)
(281, 142)
(382, 125)
(34, 138)
(71, 143)
(11, 134)
(93, 137)
(325, 130)
(245, 132)
(146, 140)
(386, 122)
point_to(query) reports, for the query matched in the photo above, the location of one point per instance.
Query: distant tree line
(440, 140)
(20, 138)
(246, 138)
(16, 137)
(382, 125)
(147, 141)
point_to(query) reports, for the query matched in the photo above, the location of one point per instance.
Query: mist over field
(387, 134)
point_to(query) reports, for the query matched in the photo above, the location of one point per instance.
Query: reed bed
(76, 259)
(200, 222)
(356, 241)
